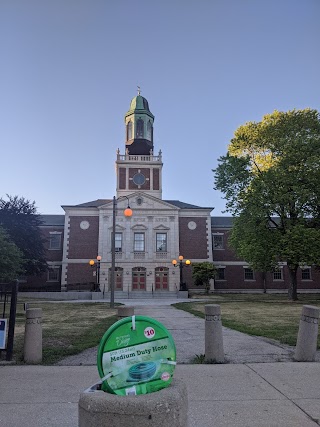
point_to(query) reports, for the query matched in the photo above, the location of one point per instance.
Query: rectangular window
(248, 274)
(220, 274)
(306, 273)
(217, 241)
(161, 242)
(55, 241)
(139, 242)
(53, 274)
(277, 274)
(118, 242)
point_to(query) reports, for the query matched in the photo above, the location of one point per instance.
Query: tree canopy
(11, 259)
(20, 220)
(270, 177)
(202, 273)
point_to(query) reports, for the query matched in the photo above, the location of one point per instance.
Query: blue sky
(69, 69)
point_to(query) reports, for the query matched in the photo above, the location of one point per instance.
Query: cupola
(139, 127)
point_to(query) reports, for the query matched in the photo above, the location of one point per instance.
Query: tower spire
(139, 90)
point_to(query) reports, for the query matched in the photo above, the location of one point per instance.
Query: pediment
(140, 201)
(161, 227)
(139, 227)
(118, 228)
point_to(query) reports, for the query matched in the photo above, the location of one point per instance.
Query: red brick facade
(122, 178)
(80, 273)
(156, 179)
(193, 243)
(145, 172)
(83, 243)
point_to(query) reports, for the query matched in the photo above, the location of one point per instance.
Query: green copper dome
(139, 105)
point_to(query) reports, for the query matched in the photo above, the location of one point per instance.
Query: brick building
(157, 232)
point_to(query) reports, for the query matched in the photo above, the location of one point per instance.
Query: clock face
(192, 225)
(84, 225)
(139, 179)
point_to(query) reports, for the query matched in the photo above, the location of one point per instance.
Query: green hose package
(137, 355)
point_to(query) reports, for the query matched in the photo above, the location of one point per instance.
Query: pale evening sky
(69, 69)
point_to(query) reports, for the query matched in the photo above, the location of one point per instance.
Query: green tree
(11, 259)
(202, 273)
(19, 218)
(271, 180)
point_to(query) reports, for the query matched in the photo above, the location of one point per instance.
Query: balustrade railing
(136, 158)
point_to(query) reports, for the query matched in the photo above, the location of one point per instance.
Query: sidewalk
(230, 395)
(241, 393)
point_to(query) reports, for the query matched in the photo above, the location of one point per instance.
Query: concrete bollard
(165, 408)
(125, 311)
(308, 333)
(33, 336)
(214, 351)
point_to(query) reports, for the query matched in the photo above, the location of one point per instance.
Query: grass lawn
(270, 316)
(67, 328)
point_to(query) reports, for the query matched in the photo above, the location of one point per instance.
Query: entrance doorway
(162, 278)
(139, 279)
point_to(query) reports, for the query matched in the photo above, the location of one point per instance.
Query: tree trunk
(207, 286)
(264, 282)
(292, 291)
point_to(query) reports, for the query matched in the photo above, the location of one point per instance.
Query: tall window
(129, 130)
(149, 131)
(161, 242)
(139, 130)
(277, 274)
(220, 274)
(248, 274)
(53, 274)
(118, 242)
(55, 240)
(217, 241)
(139, 243)
(306, 273)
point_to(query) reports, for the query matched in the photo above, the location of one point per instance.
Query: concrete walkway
(241, 393)
(188, 333)
(230, 395)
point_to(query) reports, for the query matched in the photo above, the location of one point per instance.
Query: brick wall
(146, 173)
(234, 279)
(80, 273)
(52, 254)
(193, 243)
(156, 179)
(83, 243)
(122, 178)
(225, 254)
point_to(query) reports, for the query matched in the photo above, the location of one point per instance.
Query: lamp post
(187, 262)
(127, 212)
(92, 263)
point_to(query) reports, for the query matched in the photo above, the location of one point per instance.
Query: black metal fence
(48, 287)
(8, 303)
(56, 287)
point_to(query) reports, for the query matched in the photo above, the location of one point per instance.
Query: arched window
(149, 131)
(139, 130)
(129, 130)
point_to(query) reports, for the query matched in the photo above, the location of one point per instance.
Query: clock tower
(139, 169)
